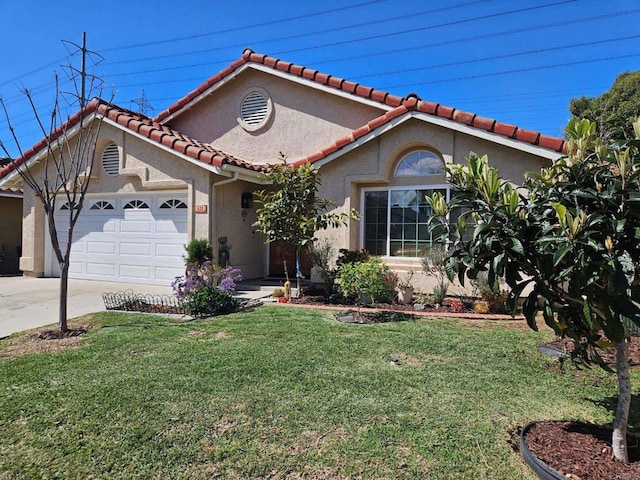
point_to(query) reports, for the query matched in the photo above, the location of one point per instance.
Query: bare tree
(66, 156)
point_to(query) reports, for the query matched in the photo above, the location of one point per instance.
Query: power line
(517, 70)
(308, 34)
(245, 27)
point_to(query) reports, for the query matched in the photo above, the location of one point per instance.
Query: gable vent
(254, 110)
(111, 159)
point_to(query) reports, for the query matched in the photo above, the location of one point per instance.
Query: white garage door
(137, 239)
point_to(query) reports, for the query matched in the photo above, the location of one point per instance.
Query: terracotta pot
(405, 295)
(541, 469)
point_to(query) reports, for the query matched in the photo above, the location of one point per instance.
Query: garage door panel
(136, 249)
(167, 275)
(105, 270)
(135, 271)
(108, 248)
(168, 250)
(136, 226)
(168, 226)
(75, 268)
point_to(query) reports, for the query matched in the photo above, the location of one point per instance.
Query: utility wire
(305, 34)
(245, 27)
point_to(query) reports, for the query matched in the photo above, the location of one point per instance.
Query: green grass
(284, 393)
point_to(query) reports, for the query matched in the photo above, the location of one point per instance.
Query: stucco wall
(10, 233)
(247, 245)
(304, 120)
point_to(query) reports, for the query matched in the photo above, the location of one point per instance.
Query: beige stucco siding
(247, 245)
(10, 233)
(304, 120)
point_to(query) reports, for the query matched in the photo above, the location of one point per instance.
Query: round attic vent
(111, 159)
(255, 110)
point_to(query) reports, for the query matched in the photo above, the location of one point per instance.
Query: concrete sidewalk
(27, 302)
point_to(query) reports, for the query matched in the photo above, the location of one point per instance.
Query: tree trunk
(64, 284)
(619, 438)
(298, 273)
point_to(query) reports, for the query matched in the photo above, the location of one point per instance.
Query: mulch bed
(566, 345)
(582, 451)
(355, 316)
(316, 297)
(57, 334)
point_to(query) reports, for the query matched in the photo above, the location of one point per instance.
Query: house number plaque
(201, 209)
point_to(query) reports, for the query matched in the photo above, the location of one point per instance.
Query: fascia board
(490, 137)
(364, 139)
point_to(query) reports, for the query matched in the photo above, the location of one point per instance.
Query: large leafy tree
(613, 111)
(568, 238)
(292, 212)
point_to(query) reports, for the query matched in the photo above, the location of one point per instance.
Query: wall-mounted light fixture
(246, 200)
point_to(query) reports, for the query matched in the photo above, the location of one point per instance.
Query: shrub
(481, 307)
(209, 300)
(199, 251)
(206, 289)
(320, 254)
(433, 263)
(439, 293)
(370, 278)
(352, 256)
(496, 301)
(277, 293)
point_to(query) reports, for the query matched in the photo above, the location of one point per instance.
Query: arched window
(420, 163)
(136, 205)
(173, 203)
(101, 205)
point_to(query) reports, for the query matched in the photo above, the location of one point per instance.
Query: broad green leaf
(561, 253)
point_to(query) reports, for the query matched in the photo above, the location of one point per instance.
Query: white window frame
(439, 186)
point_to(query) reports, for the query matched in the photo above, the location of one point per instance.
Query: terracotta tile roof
(411, 102)
(154, 131)
(173, 139)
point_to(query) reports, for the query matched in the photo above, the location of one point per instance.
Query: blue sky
(517, 61)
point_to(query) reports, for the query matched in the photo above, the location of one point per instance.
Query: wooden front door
(279, 252)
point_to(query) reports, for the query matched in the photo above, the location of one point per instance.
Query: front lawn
(283, 393)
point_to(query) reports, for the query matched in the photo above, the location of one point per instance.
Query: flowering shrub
(370, 278)
(205, 275)
(456, 306)
(206, 289)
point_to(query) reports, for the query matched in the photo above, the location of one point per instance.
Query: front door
(280, 252)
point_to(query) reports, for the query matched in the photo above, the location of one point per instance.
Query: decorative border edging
(128, 301)
(541, 469)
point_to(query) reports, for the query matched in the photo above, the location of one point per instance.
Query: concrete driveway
(27, 303)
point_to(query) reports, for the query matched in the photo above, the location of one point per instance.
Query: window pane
(420, 163)
(375, 219)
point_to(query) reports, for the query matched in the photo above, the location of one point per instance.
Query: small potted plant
(405, 288)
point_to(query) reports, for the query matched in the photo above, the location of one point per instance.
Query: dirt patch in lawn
(49, 341)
